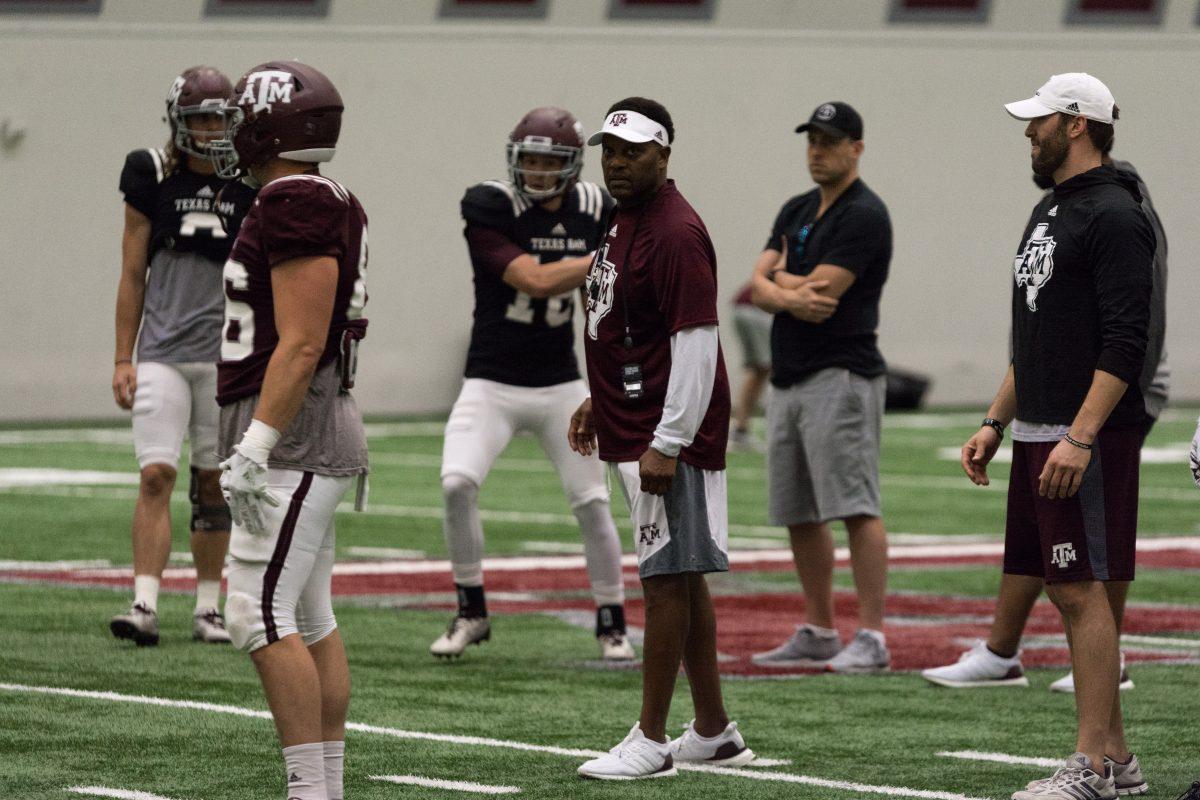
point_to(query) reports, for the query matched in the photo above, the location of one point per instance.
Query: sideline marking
(771, 777)
(897, 553)
(123, 794)
(1001, 758)
(450, 786)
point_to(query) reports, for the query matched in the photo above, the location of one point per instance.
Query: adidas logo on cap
(1073, 107)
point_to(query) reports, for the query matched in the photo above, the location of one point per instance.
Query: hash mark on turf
(450, 786)
(121, 794)
(1001, 758)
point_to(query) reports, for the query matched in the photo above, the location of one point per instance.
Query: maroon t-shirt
(292, 217)
(658, 263)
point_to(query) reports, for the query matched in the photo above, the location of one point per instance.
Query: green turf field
(841, 737)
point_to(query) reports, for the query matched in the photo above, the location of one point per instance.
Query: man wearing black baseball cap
(821, 274)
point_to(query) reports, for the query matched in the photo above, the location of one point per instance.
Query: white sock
(305, 771)
(463, 530)
(602, 549)
(145, 590)
(335, 758)
(208, 594)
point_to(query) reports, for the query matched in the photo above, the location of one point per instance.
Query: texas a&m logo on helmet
(265, 89)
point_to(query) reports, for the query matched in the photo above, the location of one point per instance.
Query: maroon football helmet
(546, 131)
(197, 90)
(279, 109)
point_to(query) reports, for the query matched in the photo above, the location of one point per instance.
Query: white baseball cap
(1075, 93)
(632, 127)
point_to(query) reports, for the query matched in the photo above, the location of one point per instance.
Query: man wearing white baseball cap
(1080, 323)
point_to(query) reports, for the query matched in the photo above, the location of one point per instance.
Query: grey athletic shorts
(685, 530)
(823, 448)
(753, 326)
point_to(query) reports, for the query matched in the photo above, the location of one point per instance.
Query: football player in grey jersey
(169, 302)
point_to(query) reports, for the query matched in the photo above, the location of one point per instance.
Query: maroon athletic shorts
(1091, 536)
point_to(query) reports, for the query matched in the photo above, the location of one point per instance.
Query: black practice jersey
(516, 339)
(184, 209)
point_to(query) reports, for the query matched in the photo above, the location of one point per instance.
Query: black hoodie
(1081, 297)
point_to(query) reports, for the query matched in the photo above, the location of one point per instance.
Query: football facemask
(543, 146)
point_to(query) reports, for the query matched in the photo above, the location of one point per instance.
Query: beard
(1043, 181)
(1052, 152)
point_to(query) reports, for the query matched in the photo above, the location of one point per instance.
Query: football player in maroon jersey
(530, 240)
(291, 433)
(169, 303)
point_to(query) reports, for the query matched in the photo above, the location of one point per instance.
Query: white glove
(1194, 455)
(244, 478)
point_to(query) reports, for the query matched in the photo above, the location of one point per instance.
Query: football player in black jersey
(180, 221)
(530, 239)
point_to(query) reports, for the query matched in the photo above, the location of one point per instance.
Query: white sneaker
(140, 624)
(615, 646)
(865, 653)
(1066, 683)
(804, 648)
(209, 626)
(463, 631)
(726, 749)
(634, 758)
(1074, 780)
(978, 667)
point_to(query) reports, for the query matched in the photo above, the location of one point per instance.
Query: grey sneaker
(140, 624)
(804, 648)
(865, 653)
(1127, 777)
(1074, 780)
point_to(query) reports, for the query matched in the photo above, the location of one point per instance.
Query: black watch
(994, 424)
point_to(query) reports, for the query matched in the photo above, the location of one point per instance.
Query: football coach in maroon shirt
(660, 412)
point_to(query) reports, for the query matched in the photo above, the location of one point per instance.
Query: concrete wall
(429, 104)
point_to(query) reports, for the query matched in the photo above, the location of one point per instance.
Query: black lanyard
(624, 264)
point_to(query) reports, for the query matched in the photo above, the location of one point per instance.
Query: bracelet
(1078, 444)
(123, 361)
(994, 424)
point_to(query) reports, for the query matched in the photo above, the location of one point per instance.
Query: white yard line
(896, 553)
(450, 786)
(1173, 454)
(383, 552)
(1002, 758)
(121, 794)
(52, 566)
(479, 741)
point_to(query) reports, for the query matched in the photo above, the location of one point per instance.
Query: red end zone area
(922, 630)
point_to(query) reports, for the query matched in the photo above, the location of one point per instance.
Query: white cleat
(615, 646)
(463, 631)
(634, 758)
(1066, 683)
(726, 749)
(209, 626)
(979, 667)
(140, 624)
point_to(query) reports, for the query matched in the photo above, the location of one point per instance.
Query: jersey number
(237, 340)
(201, 221)
(558, 309)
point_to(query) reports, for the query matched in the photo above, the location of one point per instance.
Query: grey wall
(430, 103)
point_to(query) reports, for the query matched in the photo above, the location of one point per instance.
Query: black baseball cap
(836, 118)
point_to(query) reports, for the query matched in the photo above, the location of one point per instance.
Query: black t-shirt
(855, 233)
(1081, 298)
(185, 211)
(516, 339)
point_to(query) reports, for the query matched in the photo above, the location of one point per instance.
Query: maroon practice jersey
(292, 217)
(658, 270)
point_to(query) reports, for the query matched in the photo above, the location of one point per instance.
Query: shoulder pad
(308, 191)
(146, 163)
(493, 204)
(591, 199)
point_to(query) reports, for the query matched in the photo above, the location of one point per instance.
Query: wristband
(258, 441)
(1078, 443)
(994, 424)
